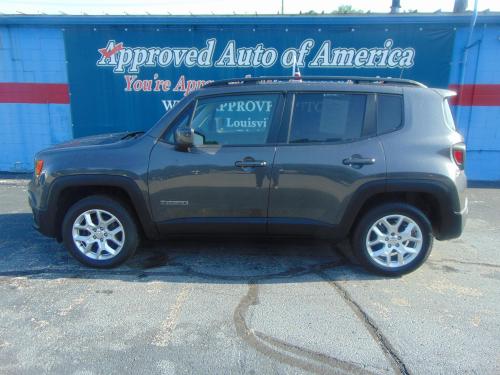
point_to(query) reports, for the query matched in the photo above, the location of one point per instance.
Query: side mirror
(184, 138)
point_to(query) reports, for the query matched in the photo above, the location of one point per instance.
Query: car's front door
(222, 182)
(327, 151)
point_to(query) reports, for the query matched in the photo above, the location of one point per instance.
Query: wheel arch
(437, 199)
(67, 190)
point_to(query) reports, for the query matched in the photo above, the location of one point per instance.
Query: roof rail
(343, 79)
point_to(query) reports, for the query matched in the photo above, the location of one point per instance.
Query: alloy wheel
(394, 241)
(98, 234)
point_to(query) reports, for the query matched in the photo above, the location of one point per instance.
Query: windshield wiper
(132, 135)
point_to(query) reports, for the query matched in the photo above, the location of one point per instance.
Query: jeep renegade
(377, 160)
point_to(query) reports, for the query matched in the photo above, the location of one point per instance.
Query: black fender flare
(440, 188)
(139, 199)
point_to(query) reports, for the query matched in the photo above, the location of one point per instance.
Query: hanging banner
(126, 78)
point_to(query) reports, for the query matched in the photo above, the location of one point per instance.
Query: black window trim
(370, 115)
(401, 125)
(276, 118)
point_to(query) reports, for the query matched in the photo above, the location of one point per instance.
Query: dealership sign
(130, 77)
(131, 59)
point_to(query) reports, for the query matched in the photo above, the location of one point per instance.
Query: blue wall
(480, 125)
(31, 55)
(32, 50)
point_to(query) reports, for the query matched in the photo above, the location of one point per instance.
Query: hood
(101, 139)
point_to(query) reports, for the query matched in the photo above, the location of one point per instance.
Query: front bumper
(42, 220)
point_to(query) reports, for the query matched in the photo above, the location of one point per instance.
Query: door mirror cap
(184, 138)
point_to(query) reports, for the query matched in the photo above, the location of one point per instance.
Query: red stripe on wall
(57, 93)
(480, 95)
(14, 92)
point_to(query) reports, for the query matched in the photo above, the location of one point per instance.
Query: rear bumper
(453, 224)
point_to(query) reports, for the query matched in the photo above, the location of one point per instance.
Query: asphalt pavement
(247, 306)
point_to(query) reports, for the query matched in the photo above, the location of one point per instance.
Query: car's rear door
(328, 150)
(222, 183)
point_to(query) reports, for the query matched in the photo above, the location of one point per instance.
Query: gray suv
(371, 159)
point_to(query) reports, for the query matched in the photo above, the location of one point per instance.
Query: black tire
(360, 234)
(114, 207)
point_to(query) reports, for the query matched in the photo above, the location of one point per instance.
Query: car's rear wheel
(100, 232)
(393, 239)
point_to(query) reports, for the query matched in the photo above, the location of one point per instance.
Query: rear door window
(389, 113)
(327, 117)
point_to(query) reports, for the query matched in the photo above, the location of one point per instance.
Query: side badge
(174, 203)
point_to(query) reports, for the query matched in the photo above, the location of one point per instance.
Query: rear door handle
(250, 164)
(357, 160)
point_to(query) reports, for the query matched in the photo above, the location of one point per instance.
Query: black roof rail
(345, 79)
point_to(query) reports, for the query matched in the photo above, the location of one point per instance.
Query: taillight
(458, 154)
(38, 167)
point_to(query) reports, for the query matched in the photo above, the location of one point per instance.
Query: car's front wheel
(393, 239)
(100, 232)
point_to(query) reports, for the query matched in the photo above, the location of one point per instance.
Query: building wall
(34, 104)
(477, 112)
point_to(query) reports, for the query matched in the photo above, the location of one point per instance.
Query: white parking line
(74, 304)
(162, 338)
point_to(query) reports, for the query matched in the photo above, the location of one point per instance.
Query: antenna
(295, 69)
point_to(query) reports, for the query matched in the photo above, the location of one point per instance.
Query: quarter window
(389, 112)
(234, 120)
(327, 117)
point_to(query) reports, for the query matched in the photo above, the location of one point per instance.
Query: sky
(221, 6)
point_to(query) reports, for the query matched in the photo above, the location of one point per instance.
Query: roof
(324, 20)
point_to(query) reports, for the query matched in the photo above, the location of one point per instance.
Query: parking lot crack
(480, 264)
(389, 351)
(282, 351)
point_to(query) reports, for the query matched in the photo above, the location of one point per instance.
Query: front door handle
(358, 160)
(250, 163)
